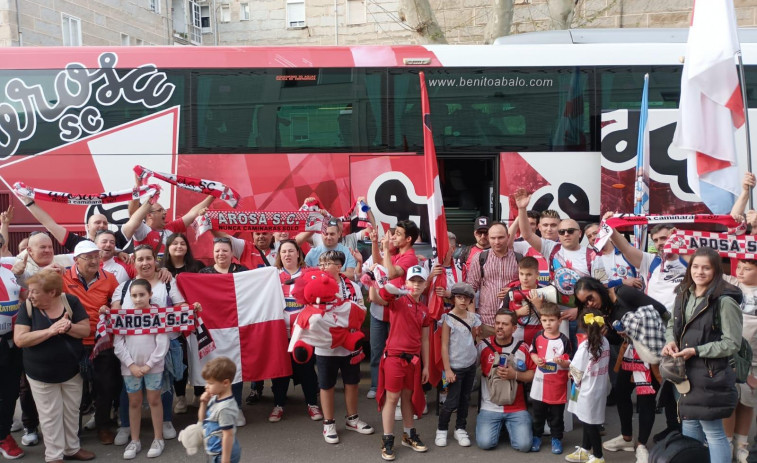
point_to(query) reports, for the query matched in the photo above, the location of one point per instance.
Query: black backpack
(677, 448)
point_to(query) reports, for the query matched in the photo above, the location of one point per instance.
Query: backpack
(63, 299)
(501, 391)
(125, 291)
(741, 361)
(483, 255)
(677, 448)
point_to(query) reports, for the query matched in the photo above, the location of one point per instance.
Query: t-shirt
(592, 395)
(55, 360)
(567, 268)
(311, 260)
(221, 415)
(159, 295)
(486, 355)
(156, 239)
(662, 281)
(407, 318)
(142, 349)
(9, 305)
(292, 308)
(550, 381)
(121, 270)
(462, 348)
(404, 260)
(611, 269)
(749, 301)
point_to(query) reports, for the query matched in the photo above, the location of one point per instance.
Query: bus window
(622, 87)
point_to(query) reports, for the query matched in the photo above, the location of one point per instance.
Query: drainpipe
(18, 23)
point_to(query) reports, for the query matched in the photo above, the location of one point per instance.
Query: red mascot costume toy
(326, 321)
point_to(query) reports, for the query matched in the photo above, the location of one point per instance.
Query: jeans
(711, 433)
(489, 425)
(236, 390)
(458, 398)
(379, 333)
(236, 453)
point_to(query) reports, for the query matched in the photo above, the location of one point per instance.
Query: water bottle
(520, 365)
(364, 207)
(618, 326)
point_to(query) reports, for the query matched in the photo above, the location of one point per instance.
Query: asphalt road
(297, 438)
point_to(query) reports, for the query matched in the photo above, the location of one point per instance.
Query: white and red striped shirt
(499, 272)
(292, 307)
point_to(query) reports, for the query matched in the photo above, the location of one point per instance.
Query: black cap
(482, 222)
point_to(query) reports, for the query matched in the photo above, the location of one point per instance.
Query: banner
(727, 245)
(259, 221)
(198, 185)
(154, 320)
(109, 197)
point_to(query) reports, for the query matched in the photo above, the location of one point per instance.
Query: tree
(501, 20)
(561, 13)
(422, 21)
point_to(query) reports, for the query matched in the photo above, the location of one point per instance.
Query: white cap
(417, 271)
(85, 247)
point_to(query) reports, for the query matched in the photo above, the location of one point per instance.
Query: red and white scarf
(640, 372)
(198, 185)
(727, 245)
(259, 221)
(87, 199)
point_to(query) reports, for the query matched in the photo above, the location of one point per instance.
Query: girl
(180, 258)
(589, 369)
(142, 358)
(459, 357)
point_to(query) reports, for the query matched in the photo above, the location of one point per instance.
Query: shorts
(747, 395)
(398, 374)
(329, 367)
(151, 382)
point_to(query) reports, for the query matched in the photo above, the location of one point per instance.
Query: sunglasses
(222, 240)
(567, 231)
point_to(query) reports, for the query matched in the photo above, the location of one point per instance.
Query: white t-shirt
(661, 284)
(117, 268)
(592, 395)
(610, 267)
(749, 303)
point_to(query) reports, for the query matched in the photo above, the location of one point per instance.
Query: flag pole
(746, 123)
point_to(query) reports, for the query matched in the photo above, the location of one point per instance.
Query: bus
(555, 113)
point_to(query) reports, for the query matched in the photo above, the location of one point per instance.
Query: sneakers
(276, 414)
(398, 413)
(354, 423)
(441, 438)
(593, 459)
(241, 420)
(536, 444)
(461, 436)
(90, 424)
(387, 447)
(618, 443)
(253, 398)
(642, 454)
(156, 448)
(741, 455)
(556, 446)
(30, 437)
(9, 449)
(413, 441)
(181, 405)
(581, 455)
(315, 412)
(371, 394)
(122, 436)
(329, 433)
(169, 432)
(132, 450)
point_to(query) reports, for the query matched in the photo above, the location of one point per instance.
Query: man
(481, 235)
(549, 222)
(106, 242)
(331, 243)
(148, 224)
(590, 232)
(401, 241)
(499, 269)
(611, 267)
(39, 254)
(94, 288)
(515, 416)
(533, 219)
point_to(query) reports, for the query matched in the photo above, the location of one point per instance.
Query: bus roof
(626, 35)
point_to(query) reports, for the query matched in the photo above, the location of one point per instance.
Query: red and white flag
(711, 107)
(244, 313)
(437, 220)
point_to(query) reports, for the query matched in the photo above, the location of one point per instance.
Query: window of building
(205, 19)
(140, 42)
(71, 31)
(195, 26)
(295, 13)
(225, 13)
(154, 5)
(244, 11)
(125, 40)
(356, 12)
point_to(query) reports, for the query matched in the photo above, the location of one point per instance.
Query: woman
(181, 260)
(706, 331)
(290, 260)
(222, 255)
(51, 331)
(634, 374)
(163, 295)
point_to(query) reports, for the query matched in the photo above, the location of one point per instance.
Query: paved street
(297, 438)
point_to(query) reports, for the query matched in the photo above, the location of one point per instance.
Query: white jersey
(661, 282)
(9, 303)
(117, 268)
(590, 404)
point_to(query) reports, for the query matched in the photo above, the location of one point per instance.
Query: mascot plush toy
(326, 321)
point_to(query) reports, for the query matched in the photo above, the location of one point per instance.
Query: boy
(400, 373)
(218, 412)
(525, 305)
(549, 390)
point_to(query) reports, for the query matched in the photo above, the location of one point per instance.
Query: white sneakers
(371, 394)
(581, 455)
(461, 436)
(241, 420)
(329, 433)
(122, 436)
(642, 455)
(181, 405)
(354, 423)
(156, 448)
(441, 438)
(90, 424)
(31, 437)
(617, 444)
(741, 454)
(169, 432)
(132, 450)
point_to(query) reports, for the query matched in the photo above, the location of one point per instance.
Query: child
(589, 370)
(142, 358)
(549, 391)
(400, 372)
(525, 304)
(459, 358)
(218, 412)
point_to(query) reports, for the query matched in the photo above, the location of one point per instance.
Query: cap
(673, 369)
(482, 222)
(85, 247)
(463, 288)
(417, 271)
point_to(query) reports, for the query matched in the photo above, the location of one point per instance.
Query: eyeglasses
(326, 264)
(568, 231)
(89, 257)
(222, 240)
